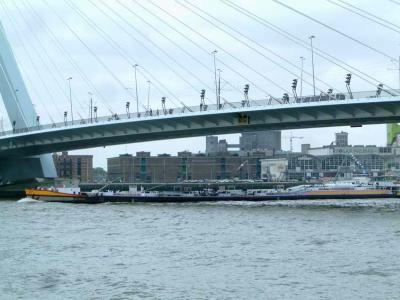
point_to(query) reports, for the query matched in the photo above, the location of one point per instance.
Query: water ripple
(331, 249)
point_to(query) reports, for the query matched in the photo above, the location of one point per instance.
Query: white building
(274, 169)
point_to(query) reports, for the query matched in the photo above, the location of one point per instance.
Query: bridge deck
(192, 122)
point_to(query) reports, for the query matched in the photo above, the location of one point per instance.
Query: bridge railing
(323, 97)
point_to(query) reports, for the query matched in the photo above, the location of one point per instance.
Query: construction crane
(291, 138)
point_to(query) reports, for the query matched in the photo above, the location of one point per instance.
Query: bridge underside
(18, 169)
(353, 112)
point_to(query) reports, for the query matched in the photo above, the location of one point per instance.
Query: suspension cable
(335, 30)
(354, 11)
(90, 50)
(370, 14)
(174, 43)
(111, 42)
(54, 67)
(65, 52)
(323, 54)
(225, 51)
(17, 34)
(162, 50)
(253, 41)
(139, 42)
(190, 40)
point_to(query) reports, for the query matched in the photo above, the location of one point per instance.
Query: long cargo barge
(94, 198)
(272, 197)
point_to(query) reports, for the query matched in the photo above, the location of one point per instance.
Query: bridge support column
(21, 169)
(21, 114)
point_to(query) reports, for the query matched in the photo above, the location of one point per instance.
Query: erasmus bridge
(25, 149)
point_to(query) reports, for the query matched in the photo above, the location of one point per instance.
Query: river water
(342, 249)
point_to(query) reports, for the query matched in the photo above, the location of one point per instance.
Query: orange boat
(67, 195)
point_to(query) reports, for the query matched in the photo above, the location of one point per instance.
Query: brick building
(76, 167)
(185, 166)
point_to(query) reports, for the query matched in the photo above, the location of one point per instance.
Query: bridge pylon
(22, 114)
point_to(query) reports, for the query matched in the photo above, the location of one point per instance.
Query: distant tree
(99, 175)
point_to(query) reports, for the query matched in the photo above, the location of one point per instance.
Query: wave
(28, 200)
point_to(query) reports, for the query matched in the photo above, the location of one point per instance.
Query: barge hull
(178, 199)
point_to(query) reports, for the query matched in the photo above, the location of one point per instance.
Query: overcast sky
(105, 38)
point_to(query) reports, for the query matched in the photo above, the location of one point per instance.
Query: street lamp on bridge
(136, 89)
(379, 90)
(202, 103)
(127, 109)
(396, 69)
(70, 98)
(91, 107)
(14, 122)
(348, 81)
(312, 61)
(301, 75)
(246, 95)
(148, 94)
(163, 105)
(294, 87)
(215, 78)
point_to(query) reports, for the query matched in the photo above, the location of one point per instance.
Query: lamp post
(396, 69)
(219, 87)
(215, 77)
(127, 109)
(301, 76)
(91, 107)
(70, 98)
(136, 88)
(148, 94)
(348, 81)
(312, 61)
(399, 72)
(16, 108)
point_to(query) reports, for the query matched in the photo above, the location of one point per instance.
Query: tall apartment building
(248, 142)
(260, 140)
(76, 167)
(211, 144)
(342, 139)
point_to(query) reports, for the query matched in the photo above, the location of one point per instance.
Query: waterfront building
(74, 167)
(185, 166)
(328, 162)
(261, 140)
(248, 142)
(341, 160)
(211, 144)
(274, 169)
(342, 139)
(120, 168)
